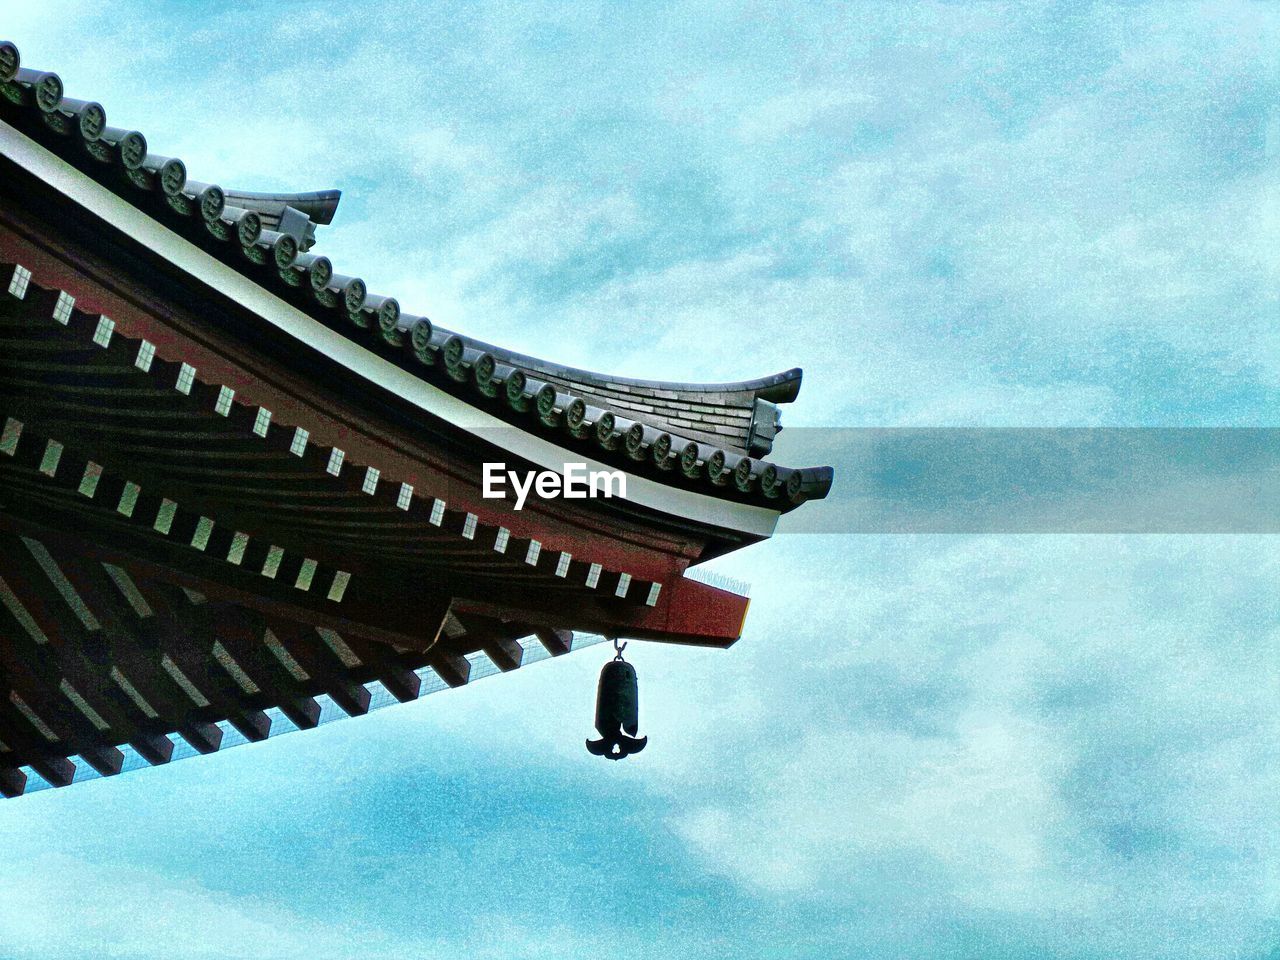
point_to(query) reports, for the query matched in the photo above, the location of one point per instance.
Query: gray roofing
(710, 436)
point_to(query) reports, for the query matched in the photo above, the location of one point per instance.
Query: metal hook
(617, 650)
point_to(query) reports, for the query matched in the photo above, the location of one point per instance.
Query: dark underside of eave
(75, 555)
(139, 660)
(106, 441)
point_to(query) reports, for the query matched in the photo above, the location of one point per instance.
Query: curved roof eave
(710, 435)
(202, 267)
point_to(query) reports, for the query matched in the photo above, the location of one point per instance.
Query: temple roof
(240, 494)
(707, 437)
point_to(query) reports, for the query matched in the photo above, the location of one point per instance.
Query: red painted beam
(690, 612)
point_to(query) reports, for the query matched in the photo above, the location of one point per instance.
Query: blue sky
(954, 746)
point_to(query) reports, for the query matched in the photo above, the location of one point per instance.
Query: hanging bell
(617, 710)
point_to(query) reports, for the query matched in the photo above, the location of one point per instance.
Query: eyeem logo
(577, 483)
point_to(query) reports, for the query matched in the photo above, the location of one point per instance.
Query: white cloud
(782, 114)
(1054, 731)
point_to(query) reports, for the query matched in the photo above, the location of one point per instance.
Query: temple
(240, 492)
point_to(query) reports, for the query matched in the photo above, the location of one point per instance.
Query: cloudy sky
(943, 746)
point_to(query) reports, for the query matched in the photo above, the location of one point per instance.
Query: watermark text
(575, 483)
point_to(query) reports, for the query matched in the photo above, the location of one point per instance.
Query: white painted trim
(202, 267)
